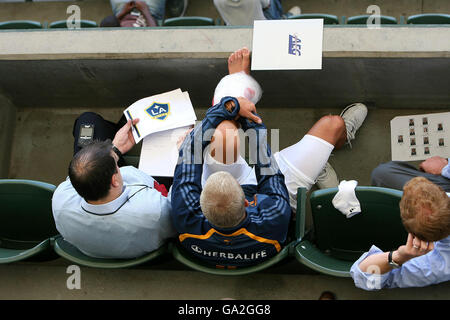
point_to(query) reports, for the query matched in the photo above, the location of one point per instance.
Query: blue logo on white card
(159, 111)
(294, 45)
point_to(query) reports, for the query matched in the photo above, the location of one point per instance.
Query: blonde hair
(425, 210)
(222, 200)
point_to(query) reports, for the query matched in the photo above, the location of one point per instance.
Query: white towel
(345, 199)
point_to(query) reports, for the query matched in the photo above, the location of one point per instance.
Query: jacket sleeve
(446, 170)
(186, 212)
(273, 213)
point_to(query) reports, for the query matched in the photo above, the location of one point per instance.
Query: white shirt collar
(106, 208)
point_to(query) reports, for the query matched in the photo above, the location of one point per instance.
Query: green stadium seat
(20, 24)
(26, 220)
(363, 19)
(429, 18)
(338, 241)
(188, 22)
(62, 24)
(327, 18)
(181, 255)
(71, 253)
(188, 260)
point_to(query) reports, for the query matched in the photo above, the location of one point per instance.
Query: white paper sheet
(159, 153)
(287, 44)
(161, 112)
(420, 136)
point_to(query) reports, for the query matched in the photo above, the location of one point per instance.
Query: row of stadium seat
(28, 232)
(428, 18)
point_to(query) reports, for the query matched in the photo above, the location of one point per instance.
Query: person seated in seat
(244, 12)
(425, 258)
(237, 218)
(395, 174)
(135, 13)
(106, 211)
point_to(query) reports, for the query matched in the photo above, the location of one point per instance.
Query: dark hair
(91, 170)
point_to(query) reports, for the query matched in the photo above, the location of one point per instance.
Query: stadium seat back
(363, 19)
(26, 214)
(188, 21)
(20, 24)
(62, 24)
(327, 18)
(69, 252)
(379, 223)
(26, 220)
(429, 18)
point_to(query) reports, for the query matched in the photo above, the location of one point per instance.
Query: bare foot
(239, 61)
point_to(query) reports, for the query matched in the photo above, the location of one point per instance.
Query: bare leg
(331, 129)
(225, 143)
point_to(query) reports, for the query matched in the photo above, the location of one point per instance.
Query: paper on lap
(420, 136)
(159, 153)
(163, 118)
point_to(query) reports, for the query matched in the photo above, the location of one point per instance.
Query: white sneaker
(327, 178)
(295, 11)
(353, 116)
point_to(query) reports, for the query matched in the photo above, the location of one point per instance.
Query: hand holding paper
(124, 139)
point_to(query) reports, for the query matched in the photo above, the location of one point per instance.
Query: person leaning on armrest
(425, 258)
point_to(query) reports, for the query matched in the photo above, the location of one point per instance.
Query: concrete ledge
(213, 42)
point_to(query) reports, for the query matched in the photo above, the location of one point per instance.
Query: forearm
(151, 22)
(125, 10)
(376, 263)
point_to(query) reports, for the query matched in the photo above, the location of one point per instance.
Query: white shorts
(302, 163)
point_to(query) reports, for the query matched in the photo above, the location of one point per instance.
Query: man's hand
(433, 165)
(414, 248)
(247, 108)
(124, 139)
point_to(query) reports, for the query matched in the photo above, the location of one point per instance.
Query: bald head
(91, 170)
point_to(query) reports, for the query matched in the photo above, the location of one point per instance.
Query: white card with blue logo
(161, 112)
(287, 44)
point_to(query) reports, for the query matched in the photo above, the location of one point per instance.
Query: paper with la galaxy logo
(161, 112)
(287, 44)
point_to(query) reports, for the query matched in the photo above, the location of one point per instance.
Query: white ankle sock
(345, 199)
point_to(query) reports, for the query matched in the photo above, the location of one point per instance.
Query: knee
(379, 173)
(88, 117)
(334, 125)
(225, 142)
(333, 122)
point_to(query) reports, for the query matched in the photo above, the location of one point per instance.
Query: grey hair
(222, 200)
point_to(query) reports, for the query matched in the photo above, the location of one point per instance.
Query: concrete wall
(393, 67)
(7, 126)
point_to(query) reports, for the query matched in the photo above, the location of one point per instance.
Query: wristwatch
(392, 263)
(117, 151)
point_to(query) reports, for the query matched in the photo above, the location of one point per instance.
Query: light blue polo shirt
(135, 223)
